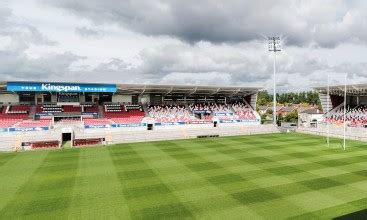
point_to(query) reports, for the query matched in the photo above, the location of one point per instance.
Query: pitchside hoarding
(59, 87)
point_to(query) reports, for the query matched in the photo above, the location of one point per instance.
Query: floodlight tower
(274, 46)
(345, 111)
(328, 110)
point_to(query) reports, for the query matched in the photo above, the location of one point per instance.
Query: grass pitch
(263, 176)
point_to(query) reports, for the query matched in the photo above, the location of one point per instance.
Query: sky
(191, 42)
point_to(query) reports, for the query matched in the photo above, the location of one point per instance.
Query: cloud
(204, 42)
(16, 63)
(88, 32)
(19, 66)
(21, 33)
(300, 22)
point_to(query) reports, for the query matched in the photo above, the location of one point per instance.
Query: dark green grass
(245, 177)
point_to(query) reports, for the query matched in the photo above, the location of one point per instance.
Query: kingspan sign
(59, 87)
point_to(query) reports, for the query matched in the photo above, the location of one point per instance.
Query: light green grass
(246, 177)
(66, 144)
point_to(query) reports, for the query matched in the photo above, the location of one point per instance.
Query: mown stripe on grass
(49, 190)
(97, 192)
(15, 173)
(334, 211)
(151, 201)
(329, 177)
(205, 199)
(6, 157)
(278, 192)
(209, 170)
(243, 190)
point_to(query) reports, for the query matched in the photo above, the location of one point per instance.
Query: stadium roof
(171, 89)
(354, 89)
(185, 89)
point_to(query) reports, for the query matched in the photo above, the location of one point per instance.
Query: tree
(279, 119)
(291, 117)
(263, 118)
(310, 97)
(263, 98)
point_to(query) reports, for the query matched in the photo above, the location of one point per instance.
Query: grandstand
(82, 112)
(333, 106)
(356, 104)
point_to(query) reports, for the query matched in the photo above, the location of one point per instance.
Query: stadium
(149, 110)
(174, 151)
(94, 114)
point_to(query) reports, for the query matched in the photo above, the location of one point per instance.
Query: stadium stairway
(32, 112)
(188, 108)
(145, 109)
(333, 110)
(324, 99)
(100, 111)
(232, 109)
(253, 110)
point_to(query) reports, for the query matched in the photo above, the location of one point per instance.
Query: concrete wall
(121, 98)
(140, 134)
(81, 98)
(38, 95)
(6, 98)
(53, 98)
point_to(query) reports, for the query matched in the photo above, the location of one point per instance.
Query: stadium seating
(33, 123)
(210, 108)
(69, 120)
(115, 113)
(45, 144)
(231, 112)
(10, 115)
(170, 113)
(207, 118)
(71, 108)
(113, 108)
(18, 109)
(6, 123)
(354, 115)
(49, 108)
(53, 108)
(124, 114)
(243, 111)
(90, 108)
(84, 142)
(91, 121)
(129, 120)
